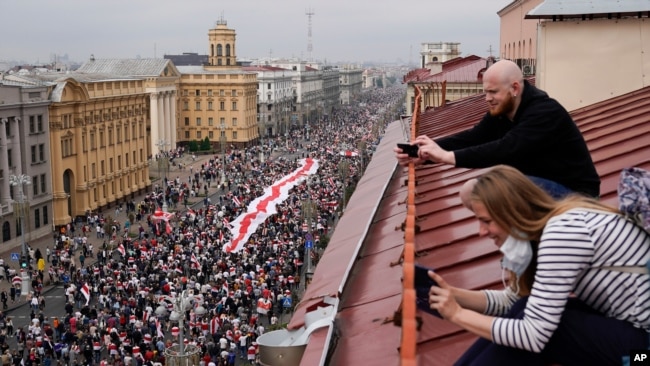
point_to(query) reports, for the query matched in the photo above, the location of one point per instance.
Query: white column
(18, 150)
(3, 160)
(173, 121)
(155, 135)
(162, 131)
(168, 119)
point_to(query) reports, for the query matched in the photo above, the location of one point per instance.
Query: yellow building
(100, 140)
(218, 100)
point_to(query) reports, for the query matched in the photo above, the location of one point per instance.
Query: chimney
(434, 67)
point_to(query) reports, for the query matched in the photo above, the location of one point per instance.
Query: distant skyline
(34, 31)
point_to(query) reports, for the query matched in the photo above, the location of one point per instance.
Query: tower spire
(309, 13)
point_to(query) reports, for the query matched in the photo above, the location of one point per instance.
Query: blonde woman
(578, 290)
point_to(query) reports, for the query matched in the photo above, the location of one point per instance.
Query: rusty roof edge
(393, 135)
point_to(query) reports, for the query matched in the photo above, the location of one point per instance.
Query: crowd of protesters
(119, 304)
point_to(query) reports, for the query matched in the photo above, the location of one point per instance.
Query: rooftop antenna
(490, 50)
(309, 13)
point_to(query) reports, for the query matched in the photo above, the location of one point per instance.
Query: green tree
(194, 146)
(205, 144)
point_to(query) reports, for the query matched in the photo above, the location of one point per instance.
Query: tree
(193, 146)
(205, 144)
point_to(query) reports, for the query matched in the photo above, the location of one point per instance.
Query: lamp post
(344, 169)
(308, 213)
(260, 123)
(20, 209)
(186, 355)
(163, 163)
(222, 140)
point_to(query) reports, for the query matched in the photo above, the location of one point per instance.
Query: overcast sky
(342, 30)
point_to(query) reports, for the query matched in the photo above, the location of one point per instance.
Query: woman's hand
(442, 299)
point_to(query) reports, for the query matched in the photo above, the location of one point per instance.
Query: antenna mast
(309, 13)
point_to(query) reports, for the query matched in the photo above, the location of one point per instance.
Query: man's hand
(404, 159)
(429, 150)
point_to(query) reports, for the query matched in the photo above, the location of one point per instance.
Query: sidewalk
(48, 240)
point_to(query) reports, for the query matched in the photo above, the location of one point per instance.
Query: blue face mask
(517, 255)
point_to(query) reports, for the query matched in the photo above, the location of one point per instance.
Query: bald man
(523, 128)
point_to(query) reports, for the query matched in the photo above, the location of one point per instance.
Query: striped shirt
(573, 249)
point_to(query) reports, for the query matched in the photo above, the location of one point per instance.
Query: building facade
(351, 83)
(100, 137)
(438, 52)
(24, 163)
(161, 78)
(218, 101)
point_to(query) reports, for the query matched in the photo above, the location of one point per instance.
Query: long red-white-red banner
(264, 206)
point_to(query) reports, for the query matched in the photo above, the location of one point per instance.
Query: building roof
(456, 70)
(199, 70)
(553, 9)
(362, 263)
(130, 67)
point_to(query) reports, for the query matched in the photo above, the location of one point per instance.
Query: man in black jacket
(523, 128)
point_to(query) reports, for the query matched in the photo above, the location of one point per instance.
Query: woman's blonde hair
(519, 206)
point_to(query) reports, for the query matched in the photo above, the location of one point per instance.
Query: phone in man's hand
(411, 150)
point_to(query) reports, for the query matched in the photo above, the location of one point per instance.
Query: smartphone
(422, 284)
(411, 150)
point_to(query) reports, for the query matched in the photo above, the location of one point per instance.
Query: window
(234, 135)
(37, 218)
(43, 184)
(209, 92)
(198, 135)
(210, 135)
(92, 171)
(126, 133)
(210, 121)
(210, 106)
(33, 148)
(268, 86)
(35, 185)
(101, 168)
(222, 106)
(234, 121)
(118, 136)
(126, 159)
(32, 124)
(119, 163)
(101, 139)
(197, 106)
(41, 152)
(234, 106)
(187, 121)
(45, 217)
(198, 121)
(187, 135)
(110, 136)
(92, 142)
(197, 93)
(233, 93)
(39, 123)
(186, 105)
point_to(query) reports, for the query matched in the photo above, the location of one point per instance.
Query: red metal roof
(362, 262)
(456, 70)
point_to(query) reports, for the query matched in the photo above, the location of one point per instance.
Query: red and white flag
(236, 201)
(159, 331)
(168, 228)
(195, 262)
(121, 249)
(331, 182)
(86, 292)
